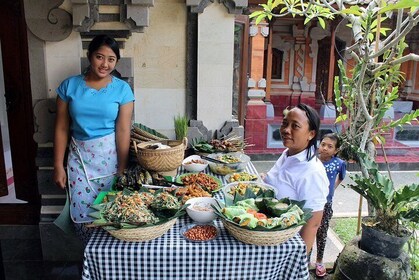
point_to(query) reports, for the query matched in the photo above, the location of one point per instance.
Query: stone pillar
(215, 66)
(255, 123)
(299, 65)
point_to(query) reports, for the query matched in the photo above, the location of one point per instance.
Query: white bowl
(228, 168)
(227, 188)
(194, 167)
(200, 209)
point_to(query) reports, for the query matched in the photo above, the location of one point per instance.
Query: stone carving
(233, 6)
(300, 52)
(280, 44)
(230, 129)
(253, 30)
(262, 83)
(47, 21)
(44, 112)
(134, 14)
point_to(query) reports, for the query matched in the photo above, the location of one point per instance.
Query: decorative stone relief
(233, 6)
(262, 83)
(230, 129)
(280, 44)
(317, 34)
(253, 30)
(44, 111)
(251, 83)
(134, 15)
(300, 52)
(264, 30)
(46, 20)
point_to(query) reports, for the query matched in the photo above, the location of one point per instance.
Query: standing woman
(298, 173)
(94, 110)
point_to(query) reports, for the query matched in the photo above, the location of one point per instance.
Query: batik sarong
(91, 168)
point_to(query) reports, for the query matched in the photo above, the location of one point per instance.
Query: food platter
(241, 186)
(204, 232)
(241, 176)
(201, 177)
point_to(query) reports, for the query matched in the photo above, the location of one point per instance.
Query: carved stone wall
(47, 21)
(233, 6)
(133, 15)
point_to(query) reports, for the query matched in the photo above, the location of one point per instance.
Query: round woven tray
(142, 233)
(161, 160)
(262, 238)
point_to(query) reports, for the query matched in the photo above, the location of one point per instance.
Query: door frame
(15, 56)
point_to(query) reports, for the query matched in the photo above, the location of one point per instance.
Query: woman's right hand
(262, 176)
(60, 177)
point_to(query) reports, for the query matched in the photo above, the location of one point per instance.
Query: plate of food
(241, 176)
(240, 187)
(207, 182)
(199, 232)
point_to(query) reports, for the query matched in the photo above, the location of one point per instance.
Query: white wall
(159, 57)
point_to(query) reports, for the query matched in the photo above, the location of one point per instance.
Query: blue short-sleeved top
(93, 112)
(334, 167)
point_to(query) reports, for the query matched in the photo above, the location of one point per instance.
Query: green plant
(394, 208)
(413, 250)
(181, 127)
(345, 228)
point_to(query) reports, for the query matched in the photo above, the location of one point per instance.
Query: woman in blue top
(94, 110)
(336, 171)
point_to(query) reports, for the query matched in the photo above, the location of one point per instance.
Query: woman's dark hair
(103, 40)
(314, 124)
(334, 137)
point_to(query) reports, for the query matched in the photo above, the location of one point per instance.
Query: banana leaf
(164, 215)
(264, 201)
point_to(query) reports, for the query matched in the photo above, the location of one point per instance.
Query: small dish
(230, 189)
(209, 229)
(194, 163)
(237, 163)
(241, 176)
(200, 209)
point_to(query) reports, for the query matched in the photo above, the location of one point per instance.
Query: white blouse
(299, 179)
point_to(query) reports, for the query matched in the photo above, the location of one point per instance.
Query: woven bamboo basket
(142, 233)
(161, 160)
(261, 238)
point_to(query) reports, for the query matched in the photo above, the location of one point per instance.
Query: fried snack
(190, 191)
(203, 180)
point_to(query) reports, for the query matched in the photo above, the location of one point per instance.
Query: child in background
(327, 153)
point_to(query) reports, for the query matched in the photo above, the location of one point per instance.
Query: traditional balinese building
(291, 63)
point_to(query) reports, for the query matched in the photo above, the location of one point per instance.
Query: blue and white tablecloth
(173, 257)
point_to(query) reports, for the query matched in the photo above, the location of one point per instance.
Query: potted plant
(385, 233)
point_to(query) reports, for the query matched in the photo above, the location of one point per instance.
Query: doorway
(18, 104)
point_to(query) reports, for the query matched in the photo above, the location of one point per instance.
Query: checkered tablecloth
(173, 257)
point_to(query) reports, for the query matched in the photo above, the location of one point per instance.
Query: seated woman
(298, 173)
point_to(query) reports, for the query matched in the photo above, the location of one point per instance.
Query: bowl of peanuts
(199, 232)
(194, 163)
(200, 209)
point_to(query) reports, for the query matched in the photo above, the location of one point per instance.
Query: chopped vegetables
(242, 176)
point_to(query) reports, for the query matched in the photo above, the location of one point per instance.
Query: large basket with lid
(160, 160)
